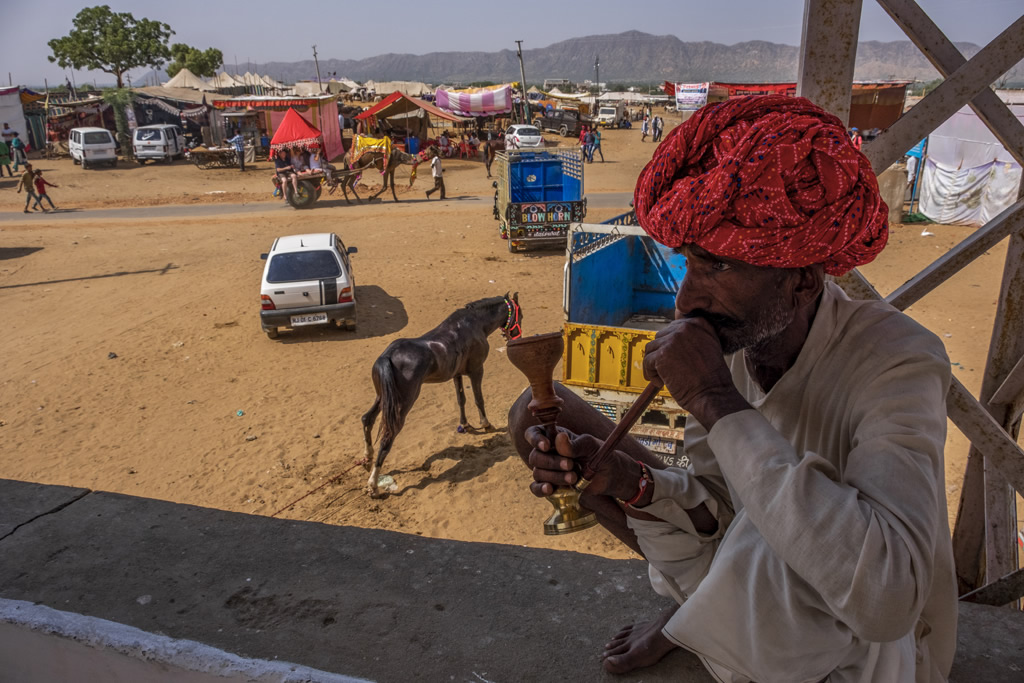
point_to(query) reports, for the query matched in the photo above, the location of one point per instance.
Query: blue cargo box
(545, 177)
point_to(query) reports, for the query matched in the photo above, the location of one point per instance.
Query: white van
(91, 146)
(160, 142)
(609, 115)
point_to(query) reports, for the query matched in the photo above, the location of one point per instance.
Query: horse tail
(390, 398)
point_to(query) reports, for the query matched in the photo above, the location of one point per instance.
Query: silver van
(160, 142)
(91, 146)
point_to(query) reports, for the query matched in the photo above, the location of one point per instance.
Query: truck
(609, 115)
(565, 122)
(620, 288)
(538, 194)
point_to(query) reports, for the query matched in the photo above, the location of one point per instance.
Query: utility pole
(597, 70)
(319, 85)
(522, 73)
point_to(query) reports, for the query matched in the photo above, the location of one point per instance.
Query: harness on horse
(512, 328)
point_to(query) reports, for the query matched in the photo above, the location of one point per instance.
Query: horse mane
(485, 303)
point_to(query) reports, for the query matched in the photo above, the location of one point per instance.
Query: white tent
(187, 79)
(410, 88)
(968, 177)
(223, 80)
(11, 111)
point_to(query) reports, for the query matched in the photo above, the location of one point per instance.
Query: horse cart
(310, 185)
(213, 157)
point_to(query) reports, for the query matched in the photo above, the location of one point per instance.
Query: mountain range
(632, 57)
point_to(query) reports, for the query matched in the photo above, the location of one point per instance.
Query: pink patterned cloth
(768, 180)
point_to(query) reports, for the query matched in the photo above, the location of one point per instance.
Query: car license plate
(309, 319)
(546, 233)
(656, 445)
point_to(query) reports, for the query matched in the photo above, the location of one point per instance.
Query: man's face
(748, 306)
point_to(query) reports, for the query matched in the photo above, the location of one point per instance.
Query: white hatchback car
(307, 281)
(522, 135)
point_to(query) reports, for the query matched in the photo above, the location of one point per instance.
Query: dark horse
(456, 347)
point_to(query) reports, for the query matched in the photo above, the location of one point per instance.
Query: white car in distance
(307, 281)
(521, 135)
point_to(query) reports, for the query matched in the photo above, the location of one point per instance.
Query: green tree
(113, 42)
(200, 62)
(120, 99)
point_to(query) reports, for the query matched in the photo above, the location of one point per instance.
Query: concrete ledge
(23, 502)
(368, 604)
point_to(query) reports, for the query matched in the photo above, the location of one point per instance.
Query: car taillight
(345, 296)
(267, 304)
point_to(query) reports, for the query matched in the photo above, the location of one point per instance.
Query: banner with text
(691, 96)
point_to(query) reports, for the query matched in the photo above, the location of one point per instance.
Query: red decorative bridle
(512, 329)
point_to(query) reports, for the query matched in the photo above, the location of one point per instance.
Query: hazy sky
(260, 31)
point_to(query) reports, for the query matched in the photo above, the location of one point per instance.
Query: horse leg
(391, 172)
(385, 448)
(476, 378)
(368, 419)
(460, 396)
(354, 193)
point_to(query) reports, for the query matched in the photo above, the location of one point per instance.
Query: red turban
(767, 180)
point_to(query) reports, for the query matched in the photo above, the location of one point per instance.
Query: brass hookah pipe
(536, 357)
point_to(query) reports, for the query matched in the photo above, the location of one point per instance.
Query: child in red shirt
(41, 191)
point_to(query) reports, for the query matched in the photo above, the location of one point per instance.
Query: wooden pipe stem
(621, 429)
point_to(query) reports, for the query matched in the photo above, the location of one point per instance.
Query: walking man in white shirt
(438, 173)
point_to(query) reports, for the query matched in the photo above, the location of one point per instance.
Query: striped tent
(476, 101)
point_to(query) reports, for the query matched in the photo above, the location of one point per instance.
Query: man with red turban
(808, 538)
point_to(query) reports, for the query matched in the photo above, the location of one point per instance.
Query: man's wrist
(711, 406)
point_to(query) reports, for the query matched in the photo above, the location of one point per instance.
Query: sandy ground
(199, 407)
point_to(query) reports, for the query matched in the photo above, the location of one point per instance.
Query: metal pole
(319, 85)
(522, 73)
(597, 69)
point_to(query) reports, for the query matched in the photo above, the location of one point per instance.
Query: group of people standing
(590, 142)
(11, 147)
(654, 127)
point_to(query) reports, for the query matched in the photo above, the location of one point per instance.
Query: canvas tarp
(295, 131)
(187, 79)
(475, 102)
(968, 177)
(399, 103)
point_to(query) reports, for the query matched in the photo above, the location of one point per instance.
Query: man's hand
(617, 476)
(686, 356)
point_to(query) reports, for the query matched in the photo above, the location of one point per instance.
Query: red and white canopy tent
(295, 131)
(398, 105)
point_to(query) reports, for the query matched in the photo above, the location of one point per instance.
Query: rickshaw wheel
(305, 197)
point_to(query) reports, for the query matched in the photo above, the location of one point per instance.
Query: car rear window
(97, 138)
(147, 135)
(303, 265)
(527, 132)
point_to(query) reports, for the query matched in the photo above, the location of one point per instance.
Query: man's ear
(808, 284)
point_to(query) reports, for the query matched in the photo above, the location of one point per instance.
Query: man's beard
(756, 335)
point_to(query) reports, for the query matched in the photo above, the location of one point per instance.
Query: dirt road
(134, 361)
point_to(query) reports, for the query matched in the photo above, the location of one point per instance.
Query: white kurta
(833, 558)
